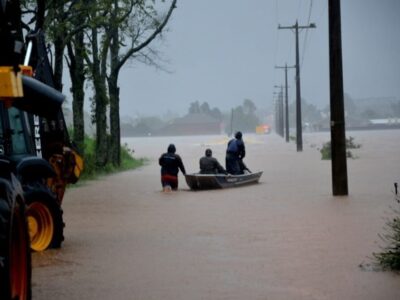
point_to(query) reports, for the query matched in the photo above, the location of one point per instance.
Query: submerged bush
(389, 258)
(326, 149)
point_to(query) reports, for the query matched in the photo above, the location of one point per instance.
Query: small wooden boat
(220, 181)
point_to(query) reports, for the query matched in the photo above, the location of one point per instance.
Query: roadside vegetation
(92, 170)
(95, 41)
(326, 153)
(389, 257)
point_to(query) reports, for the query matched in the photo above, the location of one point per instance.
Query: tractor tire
(45, 218)
(15, 253)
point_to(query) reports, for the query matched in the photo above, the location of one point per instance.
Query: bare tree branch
(149, 39)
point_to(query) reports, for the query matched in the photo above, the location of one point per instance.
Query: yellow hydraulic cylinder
(10, 83)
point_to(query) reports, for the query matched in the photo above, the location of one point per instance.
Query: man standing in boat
(170, 164)
(235, 154)
(210, 165)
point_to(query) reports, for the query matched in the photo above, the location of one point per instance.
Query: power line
(276, 11)
(322, 13)
(306, 35)
(298, 10)
(277, 36)
(289, 50)
(309, 11)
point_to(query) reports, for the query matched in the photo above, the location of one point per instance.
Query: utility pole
(338, 135)
(279, 111)
(276, 114)
(275, 103)
(231, 122)
(286, 101)
(281, 117)
(299, 134)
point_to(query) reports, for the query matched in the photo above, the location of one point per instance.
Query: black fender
(10, 189)
(14, 241)
(6, 203)
(33, 168)
(5, 169)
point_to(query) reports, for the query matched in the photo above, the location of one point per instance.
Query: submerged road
(284, 238)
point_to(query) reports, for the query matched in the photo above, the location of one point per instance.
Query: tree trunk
(116, 62)
(113, 90)
(77, 74)
(100, 98)
(79, 95)
(58, 63)
(115, 130)
(59, 46)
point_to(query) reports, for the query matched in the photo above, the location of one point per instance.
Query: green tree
(106, 34)
(134, 24)
(194, 108)
(205, 108)
(216, 113)
(76, 66)
(309, 112)
(97, 67)
(243, 117)
(63, 22)
(249, 107)
(396, 109)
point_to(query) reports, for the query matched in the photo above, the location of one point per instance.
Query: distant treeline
(359, 113)
(199, 119)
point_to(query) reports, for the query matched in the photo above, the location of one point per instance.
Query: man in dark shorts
(210, 165)
(170, 164)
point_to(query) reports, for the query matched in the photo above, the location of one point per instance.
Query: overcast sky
(224, 51)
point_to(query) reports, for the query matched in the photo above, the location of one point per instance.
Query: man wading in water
(170, 164)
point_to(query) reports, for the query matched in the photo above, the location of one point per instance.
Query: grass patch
(91, 171)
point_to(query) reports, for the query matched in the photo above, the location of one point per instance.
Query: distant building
(192, 124)
(389, 121)
(140, 129)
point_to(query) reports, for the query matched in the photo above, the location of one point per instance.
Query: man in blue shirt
(235, 152)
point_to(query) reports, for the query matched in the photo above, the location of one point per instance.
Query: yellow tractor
(37, 159)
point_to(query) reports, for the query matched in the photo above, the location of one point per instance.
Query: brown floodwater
(284, 238)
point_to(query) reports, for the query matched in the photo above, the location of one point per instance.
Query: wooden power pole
(338, 135)
(299, 129)
(279, 111)
(286, 101)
